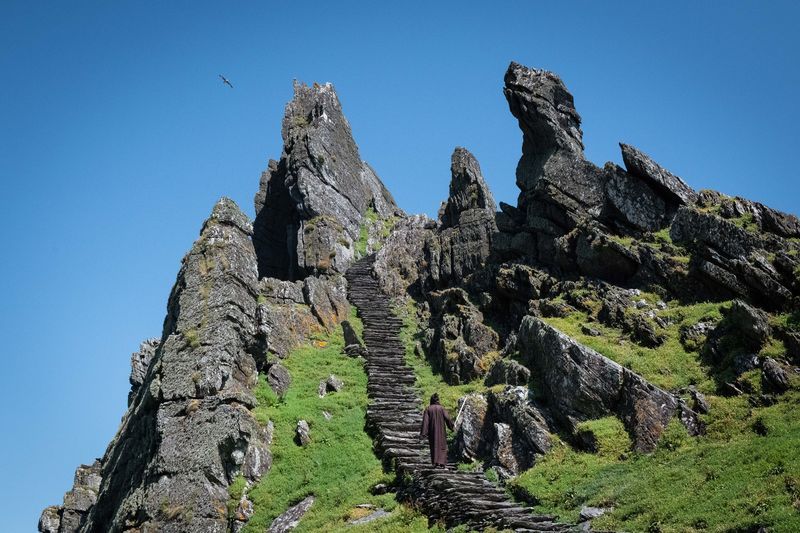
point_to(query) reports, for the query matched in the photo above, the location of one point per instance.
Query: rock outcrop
(312, 204)
(458, 342)
(580, 384)
(467, 223)
(78, 501)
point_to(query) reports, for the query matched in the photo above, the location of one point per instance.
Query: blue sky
(117, 137)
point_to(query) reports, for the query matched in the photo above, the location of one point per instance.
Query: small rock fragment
(590, 513)
(291, 517)
(279, 379)
(303, 436)
(774, 376)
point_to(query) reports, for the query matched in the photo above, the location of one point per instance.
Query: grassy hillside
(744, 472)
(338, 466)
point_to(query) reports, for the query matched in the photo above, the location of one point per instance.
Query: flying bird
(225, 81)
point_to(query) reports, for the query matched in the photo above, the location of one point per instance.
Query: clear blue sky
(117, 137)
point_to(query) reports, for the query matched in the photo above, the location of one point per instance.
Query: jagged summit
(312, 202)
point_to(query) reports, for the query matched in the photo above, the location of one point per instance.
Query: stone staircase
(394, 416)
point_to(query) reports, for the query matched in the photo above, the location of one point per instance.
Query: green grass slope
(339, 466)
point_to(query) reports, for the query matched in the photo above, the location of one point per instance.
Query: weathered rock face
(467, 222)
(244, 299)
(189, 430)
(530, 424)
(458, 341)
(403, 264)
(470, 439)
(312, 203)
(69, 517)
(581, 384)
(558, 186)
(289, 312)
(506, 429)
(736, 340)
(641, 166)
(732, 256)
(508, 372)
(570, 211)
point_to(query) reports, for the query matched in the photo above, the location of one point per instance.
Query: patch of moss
(235, 492)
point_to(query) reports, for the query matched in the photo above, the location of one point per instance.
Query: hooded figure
(435, 420)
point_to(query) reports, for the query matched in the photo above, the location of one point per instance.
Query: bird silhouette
(225, 81)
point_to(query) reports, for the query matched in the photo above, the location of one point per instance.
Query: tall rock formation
(311, 204)
(466, 221)
(579, 219)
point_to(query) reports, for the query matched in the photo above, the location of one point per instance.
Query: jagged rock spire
(468, 190)
(545, 110)
(312, 202)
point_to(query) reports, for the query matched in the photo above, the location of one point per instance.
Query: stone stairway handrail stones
(394, 417)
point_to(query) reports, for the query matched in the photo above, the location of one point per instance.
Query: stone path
(394, 417)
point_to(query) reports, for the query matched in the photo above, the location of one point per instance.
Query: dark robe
(434, 421)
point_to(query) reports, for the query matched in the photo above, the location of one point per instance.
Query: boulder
(530, 424)
(737, 339)
(580, 384)
(504, 450)
(700, 404)
(590, 513)
(302, 433)
(671, 186)
(693, 337)
(774, 376)
(279, 378)
(331, 384)
(469, 430)
(750, 323)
